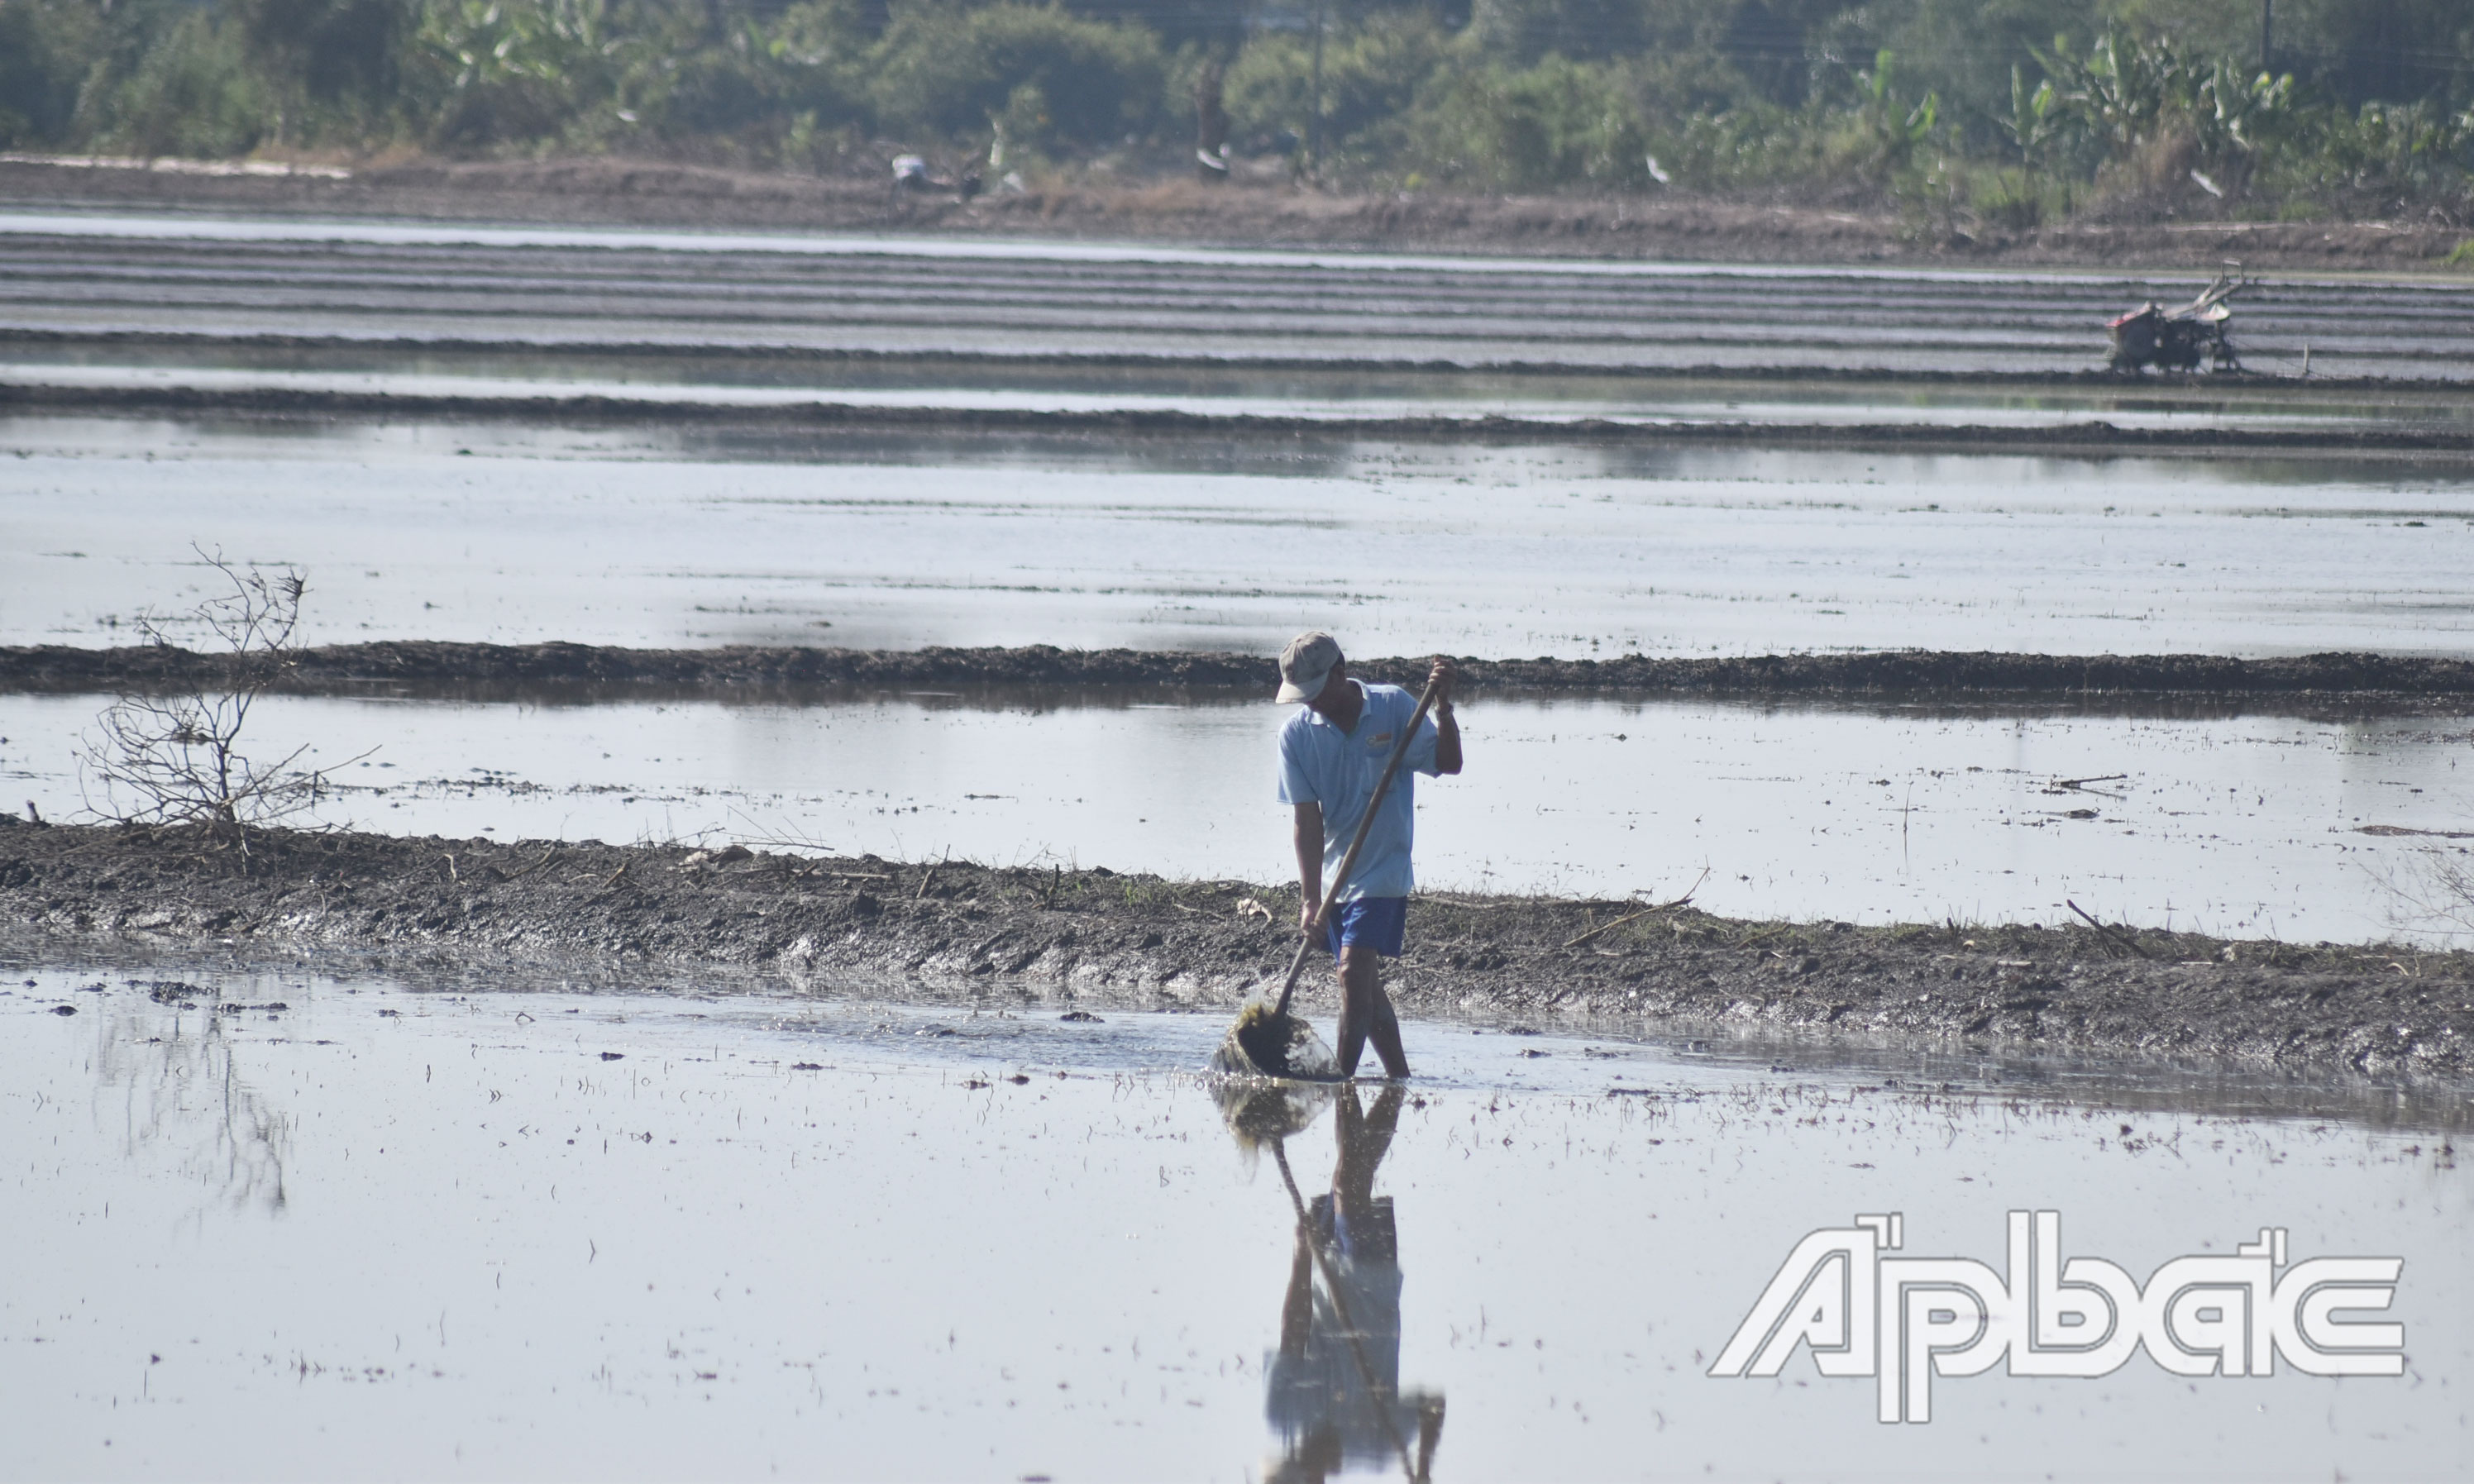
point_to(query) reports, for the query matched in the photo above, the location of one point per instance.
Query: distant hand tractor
(2177, 339)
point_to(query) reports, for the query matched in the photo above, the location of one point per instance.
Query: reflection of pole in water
(1335, 1384)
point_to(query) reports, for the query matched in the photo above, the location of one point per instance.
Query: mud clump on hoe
(1020, 936)
(1269, 1042)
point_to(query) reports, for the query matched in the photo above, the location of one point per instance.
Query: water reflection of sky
(544, 1233)
(504, 532)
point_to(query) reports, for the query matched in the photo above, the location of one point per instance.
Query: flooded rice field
(672, 536)
(350, 1217)
(2236, 824)
(274, 1223)
(95, 274)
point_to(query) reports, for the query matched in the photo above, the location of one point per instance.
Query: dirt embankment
(831, 419)
(1096, 938)
(651, 193)
(440, 668)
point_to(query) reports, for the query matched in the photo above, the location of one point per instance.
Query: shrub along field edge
(1951, 119)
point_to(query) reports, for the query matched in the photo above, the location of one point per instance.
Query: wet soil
(1098, 937)
(1267, 213)
(587, 671)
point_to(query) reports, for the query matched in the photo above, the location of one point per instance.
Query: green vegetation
(2007, 112)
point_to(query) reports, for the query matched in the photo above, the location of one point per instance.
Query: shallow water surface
(2241, 824)
(344, 1228)
(413, 529)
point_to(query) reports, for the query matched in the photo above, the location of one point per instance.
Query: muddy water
(662, 538)
(481, 1232)
(2243, 825)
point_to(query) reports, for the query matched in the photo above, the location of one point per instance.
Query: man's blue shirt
(1319, 763)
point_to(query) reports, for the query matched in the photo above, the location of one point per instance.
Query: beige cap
(1305, 665)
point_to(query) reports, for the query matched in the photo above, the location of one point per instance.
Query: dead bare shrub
(172, 759)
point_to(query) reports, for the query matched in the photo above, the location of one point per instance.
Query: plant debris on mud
(1095, 938)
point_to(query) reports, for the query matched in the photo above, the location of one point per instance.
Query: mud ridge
(2096, 376)
(1094, 937)
(2092, 437)
(653, 192)
(442, 667)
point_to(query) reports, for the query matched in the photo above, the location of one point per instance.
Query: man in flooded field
(1332, 753)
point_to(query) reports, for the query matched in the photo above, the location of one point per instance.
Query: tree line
(2017, 110)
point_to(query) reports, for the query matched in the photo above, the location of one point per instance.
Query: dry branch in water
(174, 758)
(2434, 894)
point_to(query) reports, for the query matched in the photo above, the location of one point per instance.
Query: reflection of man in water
(1334, 1386)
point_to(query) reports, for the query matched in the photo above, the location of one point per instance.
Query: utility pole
(1313, 122)
(2268, 37)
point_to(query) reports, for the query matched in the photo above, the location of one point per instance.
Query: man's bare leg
(1386, 1033)
(1364, 1010)
(1357, 970)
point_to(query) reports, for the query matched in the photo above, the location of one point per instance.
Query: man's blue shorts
(1374, 922)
